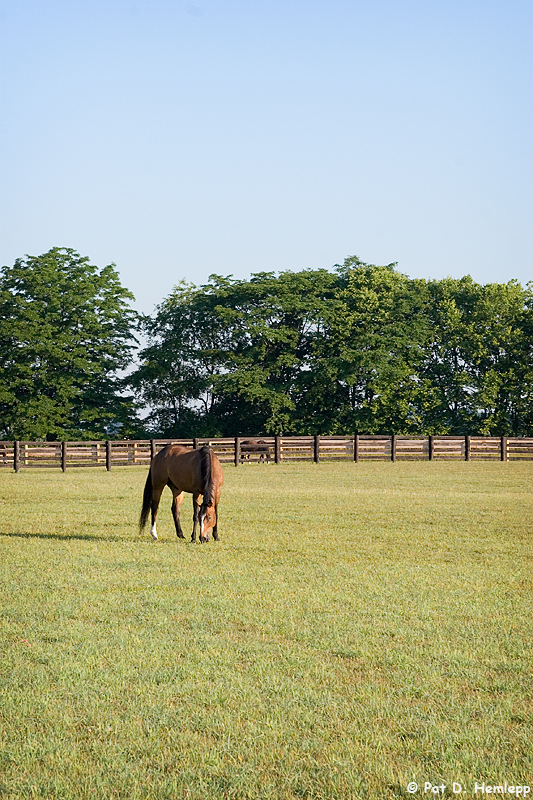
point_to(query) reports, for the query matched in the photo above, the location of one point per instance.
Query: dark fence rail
(293, 449)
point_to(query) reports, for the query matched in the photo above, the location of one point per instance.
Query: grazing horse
(184, 470)
(249, 446)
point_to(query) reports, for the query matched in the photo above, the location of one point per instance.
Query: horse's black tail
(205, 471)
(147, 501)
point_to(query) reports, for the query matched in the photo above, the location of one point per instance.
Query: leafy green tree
(366, 352)
(477, 376)
(223, 358)
(274, 321)
(304, 352)
(65, 333)
(186, 351)
(361, 349)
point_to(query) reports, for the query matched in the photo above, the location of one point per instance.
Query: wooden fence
(113, 453)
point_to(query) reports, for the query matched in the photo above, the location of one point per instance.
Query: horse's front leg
(177, 498)
(215, 530)
(196, 515)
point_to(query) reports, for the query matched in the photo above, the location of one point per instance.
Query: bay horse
(249, 446)
(184, 470)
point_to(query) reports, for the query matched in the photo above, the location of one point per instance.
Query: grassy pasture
(357, 627)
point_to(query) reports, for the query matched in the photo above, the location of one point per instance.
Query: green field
(357, 627)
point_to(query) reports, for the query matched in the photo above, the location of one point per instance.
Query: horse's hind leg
(177, 498)
(156, 497)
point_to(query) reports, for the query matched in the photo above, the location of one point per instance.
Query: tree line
(357, 349)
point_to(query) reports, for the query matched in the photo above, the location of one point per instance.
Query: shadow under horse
(184, 470)
(252, 446)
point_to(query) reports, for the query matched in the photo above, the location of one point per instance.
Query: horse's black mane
(205, 471)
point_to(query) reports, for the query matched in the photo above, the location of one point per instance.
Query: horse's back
(172, 450)
(173, 463)
(182, 466)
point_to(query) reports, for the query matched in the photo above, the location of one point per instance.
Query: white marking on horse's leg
(153, 531)
(203, 536)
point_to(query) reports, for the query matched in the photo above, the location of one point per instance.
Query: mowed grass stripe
(357, 626)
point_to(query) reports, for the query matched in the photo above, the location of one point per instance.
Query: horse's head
(208, 521)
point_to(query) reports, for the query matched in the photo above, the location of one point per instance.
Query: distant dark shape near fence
(293, 449)
(250, 447)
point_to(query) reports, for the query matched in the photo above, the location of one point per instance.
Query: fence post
(64, 456)
(195, 443)
(393, 447)
(356, 447)
(431, 447)
(108, 455)
(152, 449)
(277, 449)
(467, 448)
(16, 456)
(503, 448)
(316, 449)
(237, 450)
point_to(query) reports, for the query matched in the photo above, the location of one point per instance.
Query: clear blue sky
(179, 139)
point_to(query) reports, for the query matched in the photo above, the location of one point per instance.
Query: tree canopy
(66, 331)
(358, 349)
